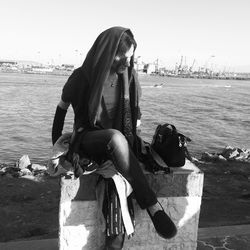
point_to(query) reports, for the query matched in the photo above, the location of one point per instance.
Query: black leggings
(112, 144)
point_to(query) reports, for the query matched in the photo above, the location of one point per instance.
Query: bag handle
(173, 128)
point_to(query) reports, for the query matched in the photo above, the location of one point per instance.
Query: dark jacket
(84, 87)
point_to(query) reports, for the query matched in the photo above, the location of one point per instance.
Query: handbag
(170, 145)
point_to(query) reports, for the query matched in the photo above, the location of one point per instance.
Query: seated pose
(104, 93)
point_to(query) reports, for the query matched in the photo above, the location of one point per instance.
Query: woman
(104, 93)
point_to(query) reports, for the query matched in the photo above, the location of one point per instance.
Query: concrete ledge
(185, 181)
(179, 192)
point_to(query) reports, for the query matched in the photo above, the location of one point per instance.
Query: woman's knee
(117, 139)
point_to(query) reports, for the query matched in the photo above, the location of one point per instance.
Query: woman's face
(122, 61)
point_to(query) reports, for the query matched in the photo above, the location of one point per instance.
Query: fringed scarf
(124, 116)
(96, 69)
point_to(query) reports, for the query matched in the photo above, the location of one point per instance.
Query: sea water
(213, 113)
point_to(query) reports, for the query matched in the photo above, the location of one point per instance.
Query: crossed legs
(112, 144)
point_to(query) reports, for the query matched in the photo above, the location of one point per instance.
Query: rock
(37, 167)
(24, 162)
(244, 156)
(13, 171)
(3, 165)
(3, 170)
(25, 171)
(228, 154)
(221, 158)
(234, 154)
(29, 177)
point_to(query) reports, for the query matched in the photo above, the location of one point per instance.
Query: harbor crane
(191, 67)
(180, 65)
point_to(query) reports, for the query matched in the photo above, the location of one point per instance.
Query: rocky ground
(30, 198)
(29, 202)
(226, 194)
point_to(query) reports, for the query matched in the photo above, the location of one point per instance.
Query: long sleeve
(58, 123)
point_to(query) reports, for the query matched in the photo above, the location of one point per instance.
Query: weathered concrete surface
(185, 213)
(179, 192)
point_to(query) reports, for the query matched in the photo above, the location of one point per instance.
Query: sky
(214, 33)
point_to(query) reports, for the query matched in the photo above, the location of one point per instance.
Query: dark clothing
(109, 117)
(84, 88)
(77, 88)
(111, 144)
(116, 140)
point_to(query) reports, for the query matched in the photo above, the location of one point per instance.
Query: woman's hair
(127, 40)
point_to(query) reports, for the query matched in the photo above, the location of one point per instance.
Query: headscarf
(97, 65)
(96, 68)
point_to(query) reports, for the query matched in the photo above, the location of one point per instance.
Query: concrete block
(180, 194)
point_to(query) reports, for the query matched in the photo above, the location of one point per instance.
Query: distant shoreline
(68, 73)
(200, 77)
(214, 77)
(58, 73)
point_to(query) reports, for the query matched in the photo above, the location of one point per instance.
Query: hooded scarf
(95, 71)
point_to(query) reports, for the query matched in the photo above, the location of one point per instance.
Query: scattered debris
(23, 168)
(228, 154)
